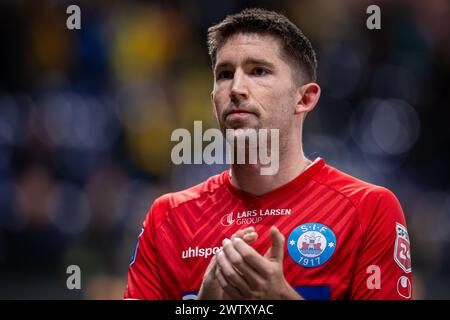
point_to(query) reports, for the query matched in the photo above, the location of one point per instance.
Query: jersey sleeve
(143, 276)
(383, 268)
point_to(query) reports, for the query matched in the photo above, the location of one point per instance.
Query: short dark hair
(296, 46)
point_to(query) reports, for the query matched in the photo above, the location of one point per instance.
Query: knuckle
(228, 274)
(237, 260)
(246, 255)
(238, 234)
(270, 272)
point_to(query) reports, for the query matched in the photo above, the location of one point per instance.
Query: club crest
(311, 244)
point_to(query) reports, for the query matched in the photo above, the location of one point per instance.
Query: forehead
(250, 45)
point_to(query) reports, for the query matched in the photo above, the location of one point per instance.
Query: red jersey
(345, 238)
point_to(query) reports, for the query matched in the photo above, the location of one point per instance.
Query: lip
(237, 111)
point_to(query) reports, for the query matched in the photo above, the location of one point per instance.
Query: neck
(247, 177)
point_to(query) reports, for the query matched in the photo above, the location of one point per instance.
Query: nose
(239, 89)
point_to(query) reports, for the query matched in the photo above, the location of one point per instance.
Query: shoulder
(354, 189)
(164, 204)
(372, 202)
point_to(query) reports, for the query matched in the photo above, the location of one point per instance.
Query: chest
(321, 242)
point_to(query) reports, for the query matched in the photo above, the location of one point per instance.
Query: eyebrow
(253, 61)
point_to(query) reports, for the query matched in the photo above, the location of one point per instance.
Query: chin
(241, 133)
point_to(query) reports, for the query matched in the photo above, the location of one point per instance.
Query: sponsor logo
(311, 244)
(251, 216)
(404, 287)
(402, 254)
(199, 252)
(227, 220)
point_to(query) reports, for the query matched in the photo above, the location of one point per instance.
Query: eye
(259, 71)
(225, 75)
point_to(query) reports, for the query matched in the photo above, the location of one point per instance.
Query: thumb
(277, 249)
(211, 267)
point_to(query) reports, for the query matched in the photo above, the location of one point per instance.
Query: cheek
(278, 92)
(218, 96)
(280, 107)
(218, 106)
(287, 96)
(278, 103)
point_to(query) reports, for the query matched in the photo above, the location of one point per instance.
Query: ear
(213, 105)
(309, 95)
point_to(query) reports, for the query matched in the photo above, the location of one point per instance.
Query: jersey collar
(296, 183)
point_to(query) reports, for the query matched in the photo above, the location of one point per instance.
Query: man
(225, 238)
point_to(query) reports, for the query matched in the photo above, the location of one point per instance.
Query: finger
(226, 286)
(268, 253)
(211, 265)
(277, 248)
(250, 237)
(248, 234)
(250, 275)
(232, 276)
(242, 232)
(232, 256)
(251, 257)
(209, 274)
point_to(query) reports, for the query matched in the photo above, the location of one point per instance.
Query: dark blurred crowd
(86, 117)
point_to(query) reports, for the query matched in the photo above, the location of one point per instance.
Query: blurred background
(86, 117)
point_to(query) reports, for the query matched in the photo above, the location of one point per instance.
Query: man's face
(253, 86)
